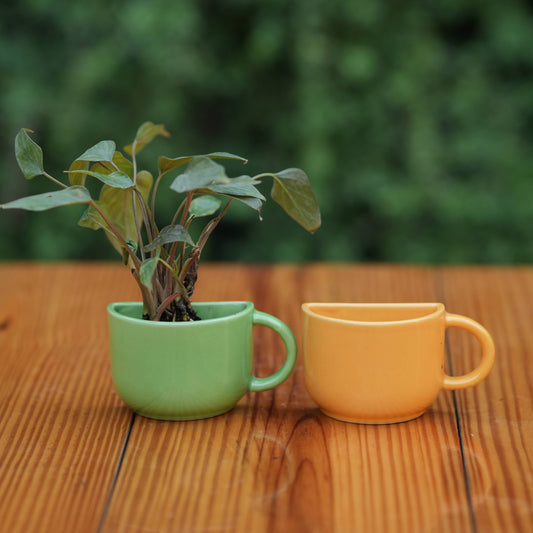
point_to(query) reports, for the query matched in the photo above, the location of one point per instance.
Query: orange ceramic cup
(382, 363)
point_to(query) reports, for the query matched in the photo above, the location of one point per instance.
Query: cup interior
(206, 311)
(372, 313)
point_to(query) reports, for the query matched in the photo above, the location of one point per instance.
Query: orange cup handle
(487, 357)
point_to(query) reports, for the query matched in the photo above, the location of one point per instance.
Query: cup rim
(437, 309)
(113, 311)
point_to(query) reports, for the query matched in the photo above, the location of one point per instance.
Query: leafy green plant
(164, 261)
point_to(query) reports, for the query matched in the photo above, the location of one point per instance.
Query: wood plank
(275, 463)
(497, 416)
(62, 426)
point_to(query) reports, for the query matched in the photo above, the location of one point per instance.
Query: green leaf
(121, 162)
(117, 205)
(170, 234)
(254, 203)
(132, 245)
(29, 155)
(226, 155)
(145, 181)
(146, 133)
(48, 200)
(102, 151)
(200, 173)
(204, 205)
(116, 179)
(146, 272)
(78, 172)
(241, 186)
(292, 191)
(91, 219)
(166, 164)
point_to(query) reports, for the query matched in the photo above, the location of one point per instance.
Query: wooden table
(73, 458)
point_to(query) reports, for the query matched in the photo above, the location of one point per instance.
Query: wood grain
(62, 426)
(497, 416)
(275, 463)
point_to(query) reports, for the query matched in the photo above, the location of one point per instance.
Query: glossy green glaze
(190, 370)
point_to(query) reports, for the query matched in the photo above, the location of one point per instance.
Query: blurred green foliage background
(413, 119)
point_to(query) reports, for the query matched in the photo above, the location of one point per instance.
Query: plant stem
(215, 221)
(154, 194)
(150, 230)
(137, 196)
(163, 262)
(134, 160)
(117, 234)
(134, 200)
(185, 213)
(161, 293)
(183, 245)
(210, 227)
(109, 167)
(147, 296)
(138, 228)
(185, 205)
(264, 175)
(166, 302)
(176, 214)
(56, 181)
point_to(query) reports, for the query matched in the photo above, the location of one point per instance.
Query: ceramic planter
(190, 370)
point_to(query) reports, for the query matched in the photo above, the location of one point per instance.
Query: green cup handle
(264, 319)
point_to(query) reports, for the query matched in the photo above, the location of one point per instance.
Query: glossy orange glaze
(382, 363)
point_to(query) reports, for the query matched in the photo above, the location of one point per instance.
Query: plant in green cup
(163, 259)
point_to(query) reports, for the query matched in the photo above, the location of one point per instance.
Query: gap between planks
(116, 475)
(438, 279)
(439, 290)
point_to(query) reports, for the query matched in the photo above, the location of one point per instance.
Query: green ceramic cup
(190, 370)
